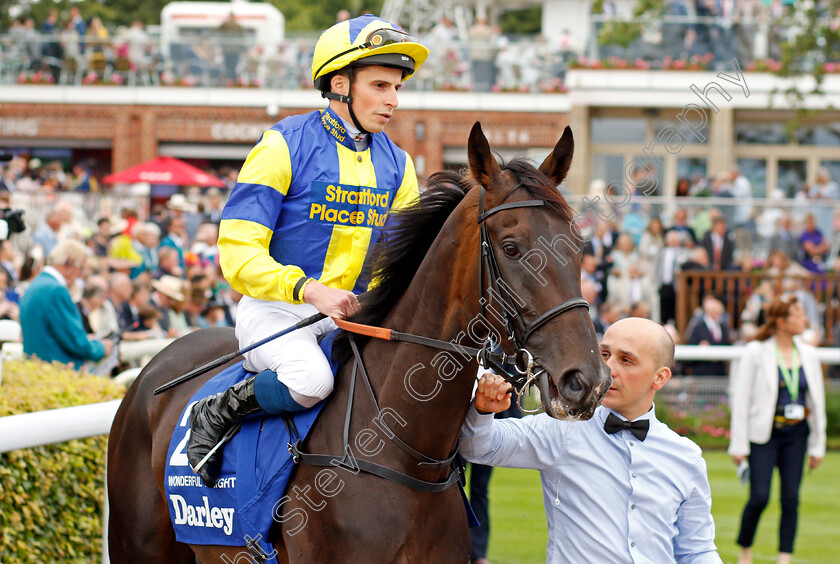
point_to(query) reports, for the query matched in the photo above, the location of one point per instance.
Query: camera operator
(11, 222)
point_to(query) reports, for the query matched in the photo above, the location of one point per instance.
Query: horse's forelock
(538, 185)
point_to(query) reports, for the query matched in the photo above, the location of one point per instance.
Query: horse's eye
(510, 250)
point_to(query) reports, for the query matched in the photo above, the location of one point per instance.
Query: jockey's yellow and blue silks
(307, 204)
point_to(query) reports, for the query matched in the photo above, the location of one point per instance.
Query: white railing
(827, 355)
(56, 425)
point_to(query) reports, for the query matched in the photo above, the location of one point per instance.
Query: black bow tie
(639, 428)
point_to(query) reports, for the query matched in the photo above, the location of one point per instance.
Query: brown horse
(429, 271)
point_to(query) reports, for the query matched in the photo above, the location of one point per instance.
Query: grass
(518, 534)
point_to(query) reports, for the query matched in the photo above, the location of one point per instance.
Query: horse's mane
(410, 232)
(404, 242)
(534, 182)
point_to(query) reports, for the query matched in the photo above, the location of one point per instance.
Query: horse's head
(531, 275)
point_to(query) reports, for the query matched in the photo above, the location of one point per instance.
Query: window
(792, 175)
(688, 136)
(755, 170)
(618, 130)
(609, 168)
(692, 169)
(760, 133)
(819, 134)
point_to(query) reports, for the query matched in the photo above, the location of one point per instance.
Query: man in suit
(129, 310)
(668, 264)
(93, 296)
(719, 246)
(709, 330)
(591, 271)
(50, 322)
(608, 313)
(784, 240)
(680, 225)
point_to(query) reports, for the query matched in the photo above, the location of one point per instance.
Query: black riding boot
(211, 418)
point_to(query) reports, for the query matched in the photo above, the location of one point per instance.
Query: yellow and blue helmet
(366, 40)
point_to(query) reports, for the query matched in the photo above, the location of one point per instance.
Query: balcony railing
(820, 294)
(528, 63)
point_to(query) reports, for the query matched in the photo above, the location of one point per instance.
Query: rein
(351, 463)
(485, 356)
(391, 335)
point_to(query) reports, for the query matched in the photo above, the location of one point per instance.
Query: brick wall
(134, 132)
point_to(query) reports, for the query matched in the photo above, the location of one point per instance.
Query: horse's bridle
(527, 370)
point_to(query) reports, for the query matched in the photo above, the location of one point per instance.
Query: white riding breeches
(296, 358)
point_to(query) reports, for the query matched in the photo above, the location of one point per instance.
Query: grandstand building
(677, 123)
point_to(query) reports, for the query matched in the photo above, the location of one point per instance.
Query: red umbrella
(165, 170)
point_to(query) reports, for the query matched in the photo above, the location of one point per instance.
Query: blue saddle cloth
(255, 471)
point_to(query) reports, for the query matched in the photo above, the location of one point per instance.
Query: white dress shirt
(608, 498)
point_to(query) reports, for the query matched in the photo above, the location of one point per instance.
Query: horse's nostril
(572, 383)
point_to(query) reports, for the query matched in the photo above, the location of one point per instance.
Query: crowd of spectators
(68, 48)
(33, 175)
(631, 262)
(144, 279)
(73, 50)
(479, 57)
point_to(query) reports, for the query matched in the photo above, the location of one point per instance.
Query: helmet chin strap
(348, 99)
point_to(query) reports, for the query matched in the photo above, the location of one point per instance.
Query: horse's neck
(430, 388)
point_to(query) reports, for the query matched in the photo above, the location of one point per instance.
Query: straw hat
(118, 225)
(178, 202)
(170, 286)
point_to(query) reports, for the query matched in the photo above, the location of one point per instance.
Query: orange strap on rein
(366, 330)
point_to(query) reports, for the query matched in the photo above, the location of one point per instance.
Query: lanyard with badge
(790, 376)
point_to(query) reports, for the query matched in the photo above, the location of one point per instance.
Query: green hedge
(51, 496)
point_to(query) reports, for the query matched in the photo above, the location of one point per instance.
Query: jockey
(309, 201)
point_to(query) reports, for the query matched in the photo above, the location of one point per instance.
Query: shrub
(708, 425)
(51, 496)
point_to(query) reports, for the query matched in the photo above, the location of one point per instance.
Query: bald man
(620, 487)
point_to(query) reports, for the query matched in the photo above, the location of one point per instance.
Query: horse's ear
(483, 165)
(556, 165)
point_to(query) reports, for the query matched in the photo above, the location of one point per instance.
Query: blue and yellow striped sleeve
(248, 220)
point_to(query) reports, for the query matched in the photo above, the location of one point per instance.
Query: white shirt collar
(359, 139)
(605, 411)
(55, 274)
